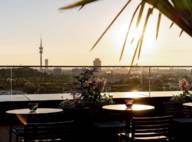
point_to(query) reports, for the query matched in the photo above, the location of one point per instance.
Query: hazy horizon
(68, 35)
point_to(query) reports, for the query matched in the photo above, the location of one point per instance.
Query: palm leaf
(149, 12)
(171, 12)
(158, 25)
(135, 52)
(132, 40)
(134, 55)
(181, 33)
(76, 4)
(179, 11)
(140, 14)
(108, 27)
(127, 34)
(140, 45)
(184, 9)
(171, 25)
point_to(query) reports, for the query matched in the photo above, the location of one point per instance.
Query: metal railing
(29, 79)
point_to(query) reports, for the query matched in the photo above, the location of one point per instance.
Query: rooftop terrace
(153, 85)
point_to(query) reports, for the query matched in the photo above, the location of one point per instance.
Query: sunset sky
(68, 35)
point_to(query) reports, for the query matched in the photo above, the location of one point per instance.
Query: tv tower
(41, 53)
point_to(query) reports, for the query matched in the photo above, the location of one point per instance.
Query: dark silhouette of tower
(97, 64)
(41, 53)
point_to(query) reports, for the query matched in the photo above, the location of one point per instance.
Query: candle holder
(129, 103)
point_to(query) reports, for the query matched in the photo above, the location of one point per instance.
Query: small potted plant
(87, 92)
(185, 96)
(174, 106)
(89, 87)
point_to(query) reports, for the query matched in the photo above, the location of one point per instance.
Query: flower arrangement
(185, 96)
(90, 86)
(87, 90)
(184, 86)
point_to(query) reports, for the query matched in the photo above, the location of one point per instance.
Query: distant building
(46, 63)
(97, 64)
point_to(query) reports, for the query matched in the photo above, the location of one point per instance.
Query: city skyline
(68, 35)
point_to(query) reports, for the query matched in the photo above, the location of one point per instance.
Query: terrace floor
(4, 127)
(4, 133)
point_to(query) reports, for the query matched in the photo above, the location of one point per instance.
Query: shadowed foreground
(4, 133)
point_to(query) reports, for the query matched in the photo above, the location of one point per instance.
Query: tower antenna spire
(41, 52)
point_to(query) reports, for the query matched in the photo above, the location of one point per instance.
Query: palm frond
(140, 46)
(108, 27)
(127, 34)
(77, 4)
(158, 25)
(134, 55)
(171, 25)
(140, 14)
(178, 11)
(184, 9)
(181, 33)
(132, 40)
(149, 12)
(135, 52)
(172, 13)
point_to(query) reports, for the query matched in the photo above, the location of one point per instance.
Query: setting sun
(118, 35)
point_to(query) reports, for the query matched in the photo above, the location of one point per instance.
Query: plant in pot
(87, 97)
(90, 86)
(175, 106)
(87, 91)
(185, 96)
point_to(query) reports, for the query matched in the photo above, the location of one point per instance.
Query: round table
(130, 110)
(123, 107)
(189, 104)
(26, 111)
(23, 114)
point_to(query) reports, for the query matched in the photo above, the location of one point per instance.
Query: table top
(128, 95)
(123, 107)
(189, 104)
(38, 111)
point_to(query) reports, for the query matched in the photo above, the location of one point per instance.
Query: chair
(151, 128)
(177, 110)
(182, 128)
(107, 124)
(49, 131)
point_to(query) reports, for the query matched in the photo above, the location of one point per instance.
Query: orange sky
(69, 35)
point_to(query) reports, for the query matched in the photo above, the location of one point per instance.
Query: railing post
(11, 83)
(149, 81)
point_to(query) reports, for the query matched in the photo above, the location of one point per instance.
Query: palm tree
(178, 11)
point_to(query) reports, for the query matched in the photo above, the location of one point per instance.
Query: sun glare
(118, 37)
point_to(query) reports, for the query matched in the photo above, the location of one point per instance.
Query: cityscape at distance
(47, 80)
